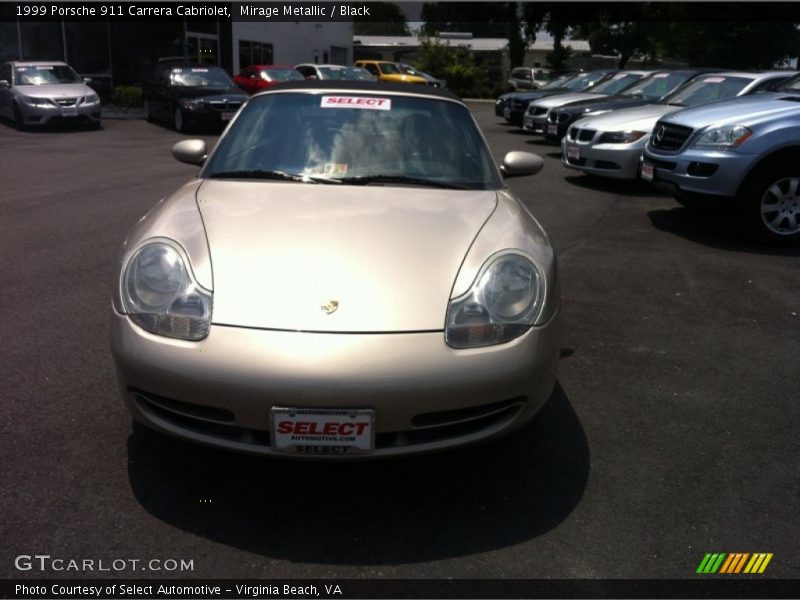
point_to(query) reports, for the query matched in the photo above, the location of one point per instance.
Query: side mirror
(87, 80)
(517, 164)
(4, 83)
(192, 152)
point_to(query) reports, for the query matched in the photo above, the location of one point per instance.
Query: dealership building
(119, 52)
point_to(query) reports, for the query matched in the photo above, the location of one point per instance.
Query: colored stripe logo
(734, 563)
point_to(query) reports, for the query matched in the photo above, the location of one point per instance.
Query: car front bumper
(535, 123)
(700, 172)
(619, 161)
(42, 114)
(426, 395)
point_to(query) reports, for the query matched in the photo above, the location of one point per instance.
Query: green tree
(385, 18)
(481, 19)
(456, 65)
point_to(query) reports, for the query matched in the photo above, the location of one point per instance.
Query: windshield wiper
(256, 174)
(367, 179)
(272, 175)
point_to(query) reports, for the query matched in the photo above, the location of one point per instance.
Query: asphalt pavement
(673, 430)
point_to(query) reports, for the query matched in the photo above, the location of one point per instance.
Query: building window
(254, 53)
(339, 55)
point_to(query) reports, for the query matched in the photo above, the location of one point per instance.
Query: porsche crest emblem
(330, 306)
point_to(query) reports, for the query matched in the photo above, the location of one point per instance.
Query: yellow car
(389, 71)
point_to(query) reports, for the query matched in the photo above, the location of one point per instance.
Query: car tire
(770, 203)
(178, 120)
(19, 122)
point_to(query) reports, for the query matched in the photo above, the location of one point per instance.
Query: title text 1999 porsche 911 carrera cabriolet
(347, 276)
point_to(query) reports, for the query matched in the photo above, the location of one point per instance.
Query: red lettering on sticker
(285, 427)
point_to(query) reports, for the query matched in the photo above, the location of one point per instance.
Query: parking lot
(672, 432)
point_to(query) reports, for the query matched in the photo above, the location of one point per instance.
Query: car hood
(389, 256)
(746, 110)
(536, 94)
(640, 118)
(233, 92)
(562, 99)
(55, 90)
(604, 103)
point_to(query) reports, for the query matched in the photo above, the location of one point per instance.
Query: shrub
(127, 96)
(455, 64)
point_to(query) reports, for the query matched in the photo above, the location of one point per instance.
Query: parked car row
(706, 136)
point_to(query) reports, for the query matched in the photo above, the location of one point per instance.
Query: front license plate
(648, 172)
(69, 112)
(227, 115)
(528, 123)
(328, 432)
(506, 113)
(574, 152)
(552, 129)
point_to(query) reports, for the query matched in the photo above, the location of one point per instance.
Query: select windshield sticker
(361, 102)
(713, 80)
(660, 75)
(199, 70)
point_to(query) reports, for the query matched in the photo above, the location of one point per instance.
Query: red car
(255, 78)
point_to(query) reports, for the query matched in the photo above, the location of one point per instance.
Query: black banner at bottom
(297, 589)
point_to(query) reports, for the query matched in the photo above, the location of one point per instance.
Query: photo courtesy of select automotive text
(415, 300)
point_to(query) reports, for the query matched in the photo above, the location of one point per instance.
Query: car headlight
(621, 137)
(503, 303)
(727, 137)
(91, 99)
(37, 101)
(161, 295)
(190, 104)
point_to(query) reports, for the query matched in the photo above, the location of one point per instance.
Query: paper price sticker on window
(361, 102)
(713, 80)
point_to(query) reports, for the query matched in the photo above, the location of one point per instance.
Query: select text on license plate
(331, 432)
(552, 129)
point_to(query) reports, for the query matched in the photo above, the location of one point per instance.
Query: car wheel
(19, 122)
(178, 121)
(148, 116)
(771, 203)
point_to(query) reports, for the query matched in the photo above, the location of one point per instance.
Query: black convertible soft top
(364, 86)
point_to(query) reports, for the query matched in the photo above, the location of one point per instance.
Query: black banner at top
(348, 10)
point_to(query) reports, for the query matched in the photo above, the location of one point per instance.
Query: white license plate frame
(552, 129)
(648, 172)
(69, 111)
(322, 431)
(574, 152)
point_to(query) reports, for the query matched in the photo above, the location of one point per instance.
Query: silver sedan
(347, 276)
(39, 93)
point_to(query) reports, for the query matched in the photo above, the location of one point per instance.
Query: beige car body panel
(281, 250)
(275, 252)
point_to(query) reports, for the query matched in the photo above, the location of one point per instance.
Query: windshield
(45, 75)
(581, 82)
(657, 86)
(707, 89)
(389, 69)
(282, 75)
(335, 73)
(362, 74)
(791, 85)
(616, 84)
(352, 137)
(212, 77)
(557, 83)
